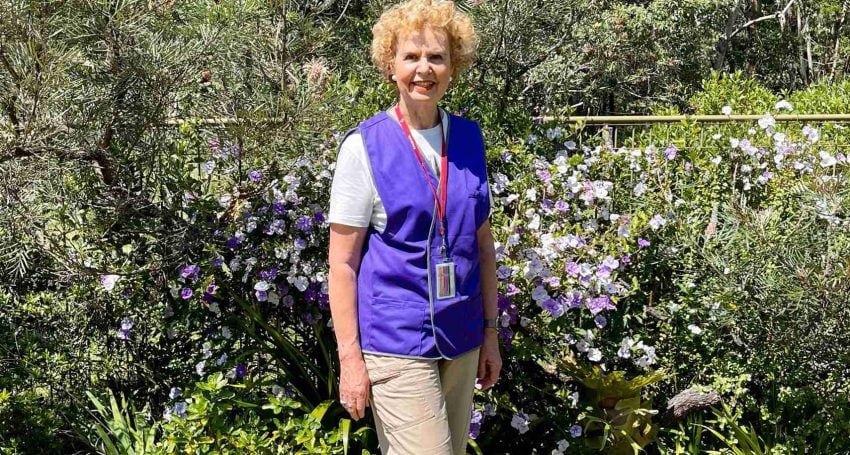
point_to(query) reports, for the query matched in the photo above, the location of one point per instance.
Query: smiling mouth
(424, 84)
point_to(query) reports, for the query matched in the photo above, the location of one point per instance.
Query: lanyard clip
(443, 250)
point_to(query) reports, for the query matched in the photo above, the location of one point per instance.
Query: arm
(490, 360)
(346, 244)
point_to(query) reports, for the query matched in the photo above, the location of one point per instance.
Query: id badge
(445, 280)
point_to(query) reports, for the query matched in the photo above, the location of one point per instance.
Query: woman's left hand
(490, 360)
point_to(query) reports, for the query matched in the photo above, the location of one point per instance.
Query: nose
(423, 67)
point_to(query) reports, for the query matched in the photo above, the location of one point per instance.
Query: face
(422, 66)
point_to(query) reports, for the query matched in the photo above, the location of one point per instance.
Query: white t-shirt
(354, 197)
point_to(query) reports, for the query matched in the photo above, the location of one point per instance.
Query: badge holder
(445, 276)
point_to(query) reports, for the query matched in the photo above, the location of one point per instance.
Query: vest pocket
(395, 326)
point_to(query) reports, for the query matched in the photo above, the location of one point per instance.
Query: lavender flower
(108, 281)
(575, 431)
(520, 422)
(175, 392)
(124, 331)
(190, 272)
(255, 176)
(186, 293)
(180, 409)
(600, 304)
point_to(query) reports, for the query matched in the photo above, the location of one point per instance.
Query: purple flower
(304, 223)
(600, 321)
(573, 269)
(562, 206)
(212, 288)
(190, 272)
(269, 275)
(544, 175)
(233, 242)
(572, 300)
(474, 429)
(575, 431)
(278, 208)
(218, 262)
(255, 176)
(643, 243)
(553, 307)
(241, 369)
(186, 293)
(512, 290)
(599, 304)
(670, 152)
(319, 217)
(175, 392)
(300, 244)
(124, 331)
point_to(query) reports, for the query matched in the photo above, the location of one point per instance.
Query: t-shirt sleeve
(353, 188)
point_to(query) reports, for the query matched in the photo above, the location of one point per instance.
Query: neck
(418, 116)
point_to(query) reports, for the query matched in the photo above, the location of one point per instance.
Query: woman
(412, 264)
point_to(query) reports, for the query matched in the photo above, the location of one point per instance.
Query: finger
(360, 408)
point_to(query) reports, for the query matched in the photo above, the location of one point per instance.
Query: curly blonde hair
(415, 15)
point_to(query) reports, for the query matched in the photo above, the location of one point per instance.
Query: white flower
(594, 355)
(225, 332)
(563, 444)
(531, 194)
(767, 122)
(570, 145)
(625, 348)
(640, 189)
(199, 367)
(695, 329)
(582, 346)
(716, 160)
(783, 104)
(726, 110)
(826, 160)
(656, 222)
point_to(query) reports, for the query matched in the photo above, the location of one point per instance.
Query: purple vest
(398, 311)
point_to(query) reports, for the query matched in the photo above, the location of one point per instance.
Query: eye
(409, 56)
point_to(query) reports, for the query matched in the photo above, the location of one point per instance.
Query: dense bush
(181, 266)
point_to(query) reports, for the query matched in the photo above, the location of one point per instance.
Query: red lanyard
(439, 193)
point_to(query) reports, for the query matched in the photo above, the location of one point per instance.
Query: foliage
(181, 265)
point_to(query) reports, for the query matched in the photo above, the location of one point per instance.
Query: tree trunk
(722, 46)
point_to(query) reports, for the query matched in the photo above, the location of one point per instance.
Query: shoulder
(374, 121)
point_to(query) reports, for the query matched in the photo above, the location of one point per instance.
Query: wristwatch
(491, 323)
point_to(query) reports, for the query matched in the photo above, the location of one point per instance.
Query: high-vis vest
(398, 310)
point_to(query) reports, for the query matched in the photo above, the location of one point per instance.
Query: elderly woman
(412, 263)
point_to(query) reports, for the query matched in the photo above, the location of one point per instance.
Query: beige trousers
(422, 406)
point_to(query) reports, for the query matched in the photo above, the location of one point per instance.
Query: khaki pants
(422, 407)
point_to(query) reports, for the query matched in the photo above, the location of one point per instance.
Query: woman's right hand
(354, 385)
